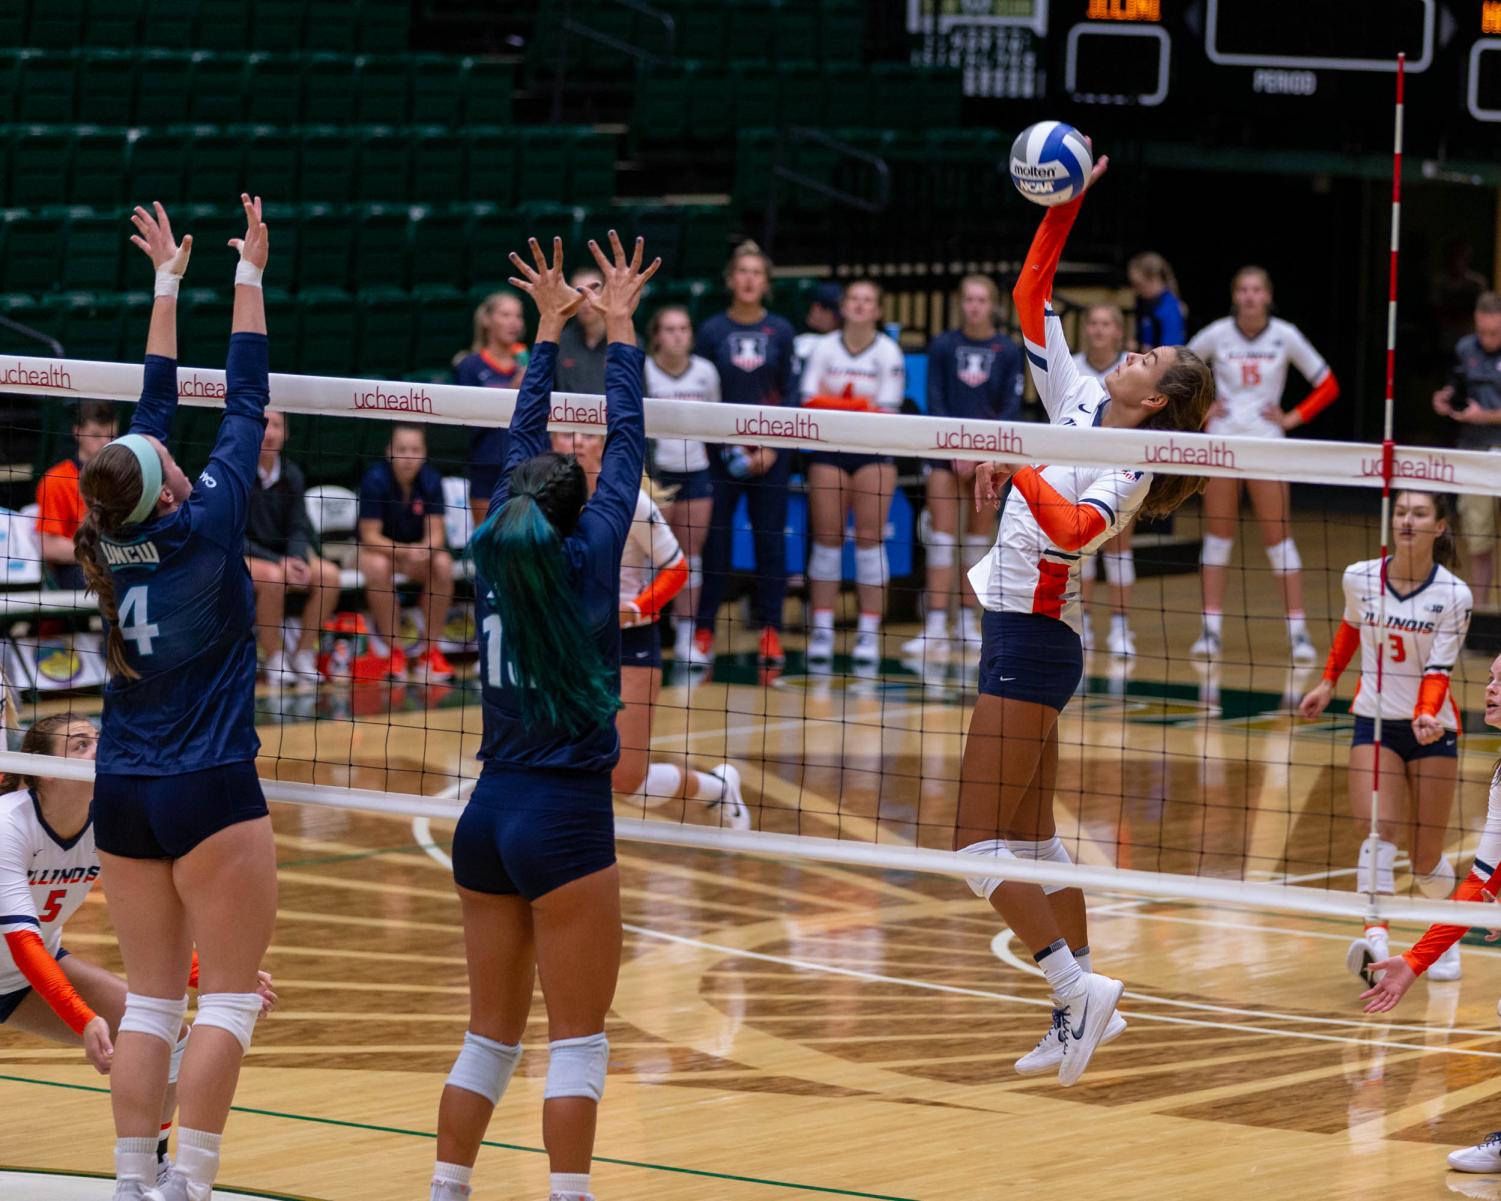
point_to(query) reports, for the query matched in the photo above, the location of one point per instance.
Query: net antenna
(1388, 454)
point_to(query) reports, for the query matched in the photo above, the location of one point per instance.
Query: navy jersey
(1159, 322)
(974, 379)
(402, 516)
(592, 554)
(756, 363)
(488, 444)
(183, 596)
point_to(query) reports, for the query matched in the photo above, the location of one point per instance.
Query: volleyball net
(1178, 776)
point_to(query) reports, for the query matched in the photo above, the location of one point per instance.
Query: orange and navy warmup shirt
(60, 501)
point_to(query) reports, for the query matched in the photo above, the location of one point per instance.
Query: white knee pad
(1120, 568)
(160, 1017)
(1283, 557)
(234, 1012)
(940, 546)
(1374, 871)
(1216, 551)
(976, 547)
(174, 1065)
(871, 567)
(576, 1067)
(825, 562)
(1050, 850)
(484, 1066)
(1438, 883)
(996, 848)
(695, 571)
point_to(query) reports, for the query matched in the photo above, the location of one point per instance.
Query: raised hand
(255, 246)
(616, 299)
(556, 299)
(154, 236)
(1101, 165)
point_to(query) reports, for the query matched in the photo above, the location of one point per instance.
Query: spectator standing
(822, 318)
(1159, 312)
(582, 344)
(61, 508)
(496, 359)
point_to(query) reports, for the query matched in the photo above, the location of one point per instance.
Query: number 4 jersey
(43, 879)
(1424, 631)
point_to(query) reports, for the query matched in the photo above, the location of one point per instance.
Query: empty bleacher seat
(94, 245)
(440, 326)
(381, 245)
(106, 87)
(383, 346)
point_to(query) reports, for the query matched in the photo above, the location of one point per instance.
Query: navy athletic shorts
(1029, 657)
(11, 1001)
(530, 832)
(641, 646)
(686, 485)
(1398, 736)
(165, 817)
(845, 460)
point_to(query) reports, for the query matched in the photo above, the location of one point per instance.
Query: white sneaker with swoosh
(1048, 1053)
(1086, 1017)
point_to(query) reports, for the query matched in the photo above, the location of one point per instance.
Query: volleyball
(1050, 162)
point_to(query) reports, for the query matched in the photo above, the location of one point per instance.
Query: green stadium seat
(802, 89)
(384, 332)
(164, 85)
(756, 92)
(385, 26)
(55, 24)
(547, 219)
(383, 167)
(10, 84)
(331, 25)
(846, 95)
(277, 25)
(750, 29)
(437, 95)
(326, 336)
(170, 24)
(219, 85)
(94, 247)
(491, 154)
(492, 233)
(383, 84)
(98, 167)
(327, 172)
(441, 316)
(440, 253)
(706, 239)
(270, 159)
(382, 245)
(90, 325)
(755, 151)
(488, 87)
(32, 244)
(662, 106)
(326, 253)
(203, 326)
(841, 35)
(281, 321)
(659, 224)
(438, 156)
(214, 163)
(700, 29)
(591, 178)
(36, 162)
(329, 90)
(273, 92)
(156, 164)
(223, 25)
(106, 86)
(12, 25)
(542, 170)
(285, 223)
(48, 87)
(796, 32)
(111, 22)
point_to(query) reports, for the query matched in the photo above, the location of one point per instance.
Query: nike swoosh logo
(1004, 679)
(1077, 1033)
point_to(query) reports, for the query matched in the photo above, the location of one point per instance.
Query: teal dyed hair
(518, 551)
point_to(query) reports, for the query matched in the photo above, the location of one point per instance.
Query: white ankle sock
(1439, 882)
(450, 1180)
(823, 619)
(135, 1159)
(704, 787)
(569, 1186)
(1119, 623)
(937, 624)
(1081, 957)
(870, 623)
(1297, 626)
(663, 780)
(198, 1159)
(1214, 623)
(1063, 972)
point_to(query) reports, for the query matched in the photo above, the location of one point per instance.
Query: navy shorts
(1398, 736)
(1029, 657)
(530, 832)
(165, 817)
(641, 646)
(685, 485)
(11, 1001)
(847, 461)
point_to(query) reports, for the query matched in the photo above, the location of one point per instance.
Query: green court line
(624, 1163)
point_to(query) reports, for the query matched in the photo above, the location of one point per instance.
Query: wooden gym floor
(792, 1031)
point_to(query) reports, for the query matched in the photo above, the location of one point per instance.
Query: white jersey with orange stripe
(1250, 373)
(877, 374)
(649, 547)
(1424, 632)
(1026, 571)
(43, 878)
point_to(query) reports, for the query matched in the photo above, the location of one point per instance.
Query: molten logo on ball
(1050, 162)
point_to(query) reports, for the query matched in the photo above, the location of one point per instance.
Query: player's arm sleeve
(158, 402)
(223, 490)
(1439, 939)
(1341, 651)
(1311, 365)
(1068, 526)
(1053, 368)
(938, 378)
(606, 520)
(529, 421)
(670, 573)
(23, 938)
(1448, 641)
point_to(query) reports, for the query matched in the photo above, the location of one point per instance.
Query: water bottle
(737, 462)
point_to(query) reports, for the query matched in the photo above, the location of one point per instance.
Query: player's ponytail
(1188, 385)
(38, 740)
(518, 552)
(110, 485)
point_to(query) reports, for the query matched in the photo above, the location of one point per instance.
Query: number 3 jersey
(1424, 632)
(43, 879)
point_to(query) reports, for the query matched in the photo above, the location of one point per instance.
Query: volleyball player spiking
(1427, 614)
(534, 852)
(653, 572)
(182, 828)
(48, 866)
(1031, 660)
(1250, 352)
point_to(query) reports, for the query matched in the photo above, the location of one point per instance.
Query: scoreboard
(1319, 72)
